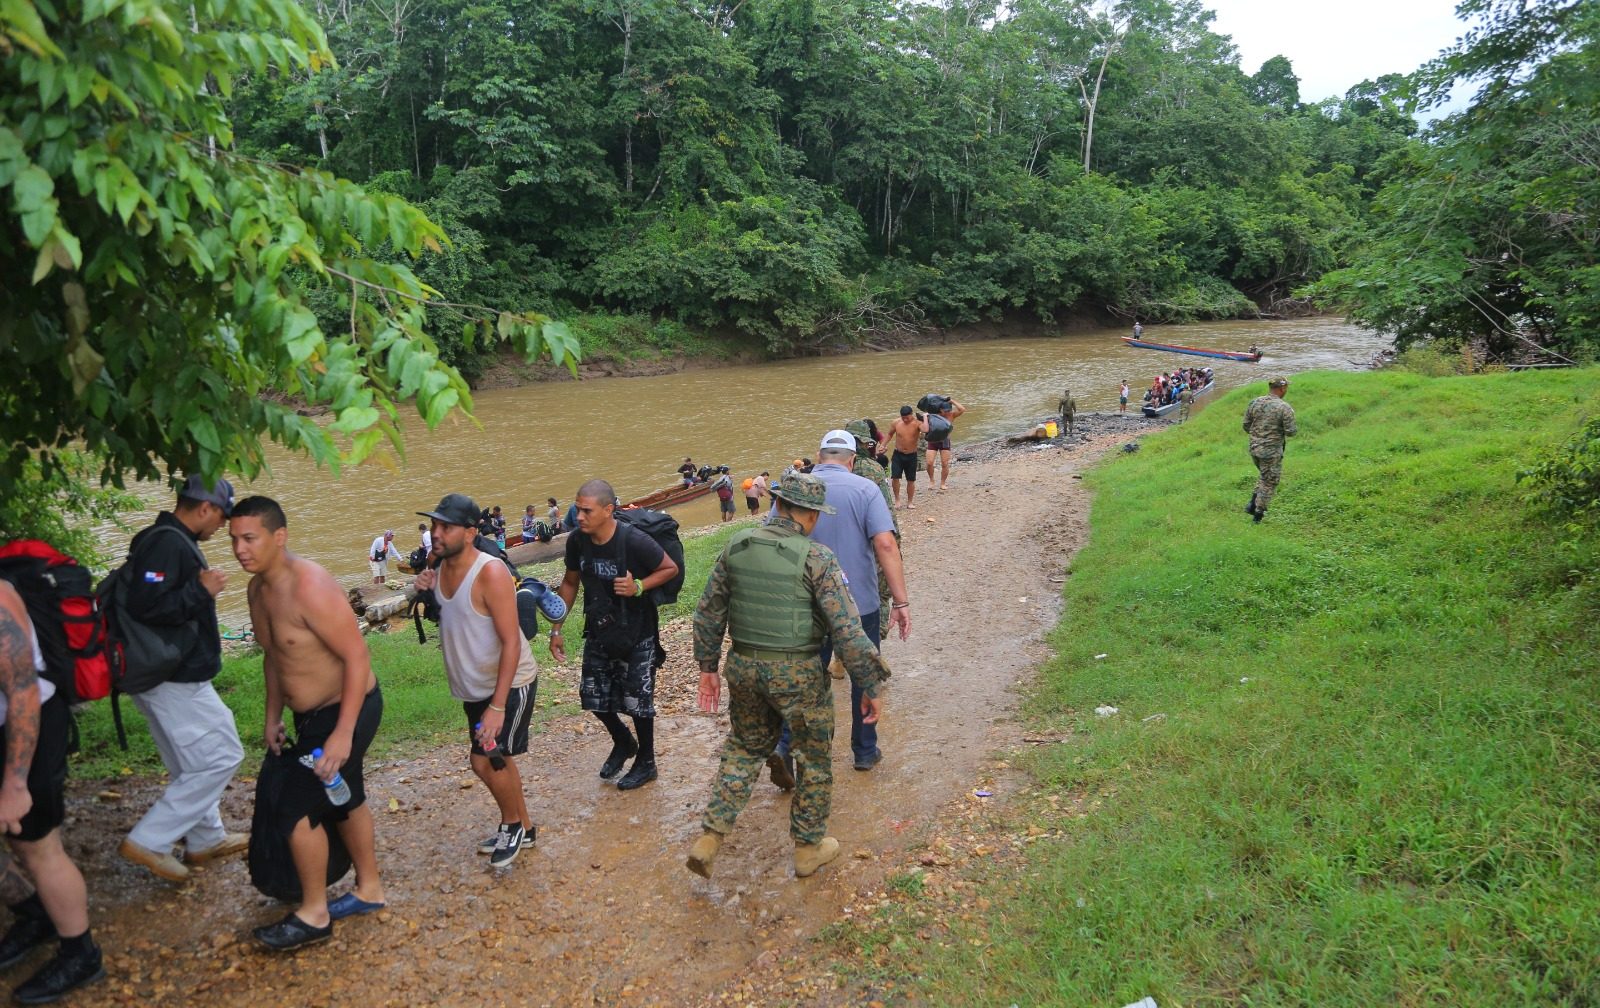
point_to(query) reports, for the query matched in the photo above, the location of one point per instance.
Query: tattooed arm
(20, 683)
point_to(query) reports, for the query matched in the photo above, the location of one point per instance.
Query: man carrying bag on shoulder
(169, 589)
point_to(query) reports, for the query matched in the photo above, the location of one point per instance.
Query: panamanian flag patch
(154, 577)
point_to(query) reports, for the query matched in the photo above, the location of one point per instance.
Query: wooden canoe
(1234, 355)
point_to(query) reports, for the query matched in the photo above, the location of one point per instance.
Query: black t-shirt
(629, 550)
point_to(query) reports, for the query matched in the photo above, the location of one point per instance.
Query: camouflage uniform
(767, 688)
(1068, 409)
(867, 467)
(1186, 399)
(1268, 420)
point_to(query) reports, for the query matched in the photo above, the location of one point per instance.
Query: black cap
(194, 488)
(454, 509)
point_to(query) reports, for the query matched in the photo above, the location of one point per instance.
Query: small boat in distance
(1249, 357)
(1161, 411)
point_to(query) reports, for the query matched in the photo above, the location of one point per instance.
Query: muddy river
(543, 440)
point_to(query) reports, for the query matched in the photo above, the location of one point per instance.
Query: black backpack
(663, 528)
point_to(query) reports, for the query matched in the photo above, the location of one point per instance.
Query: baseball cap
(1279, 382)
(194, 488)
(454, 509)
(838, 440)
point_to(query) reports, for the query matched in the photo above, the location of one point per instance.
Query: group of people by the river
(1177, 386)
(820, 576)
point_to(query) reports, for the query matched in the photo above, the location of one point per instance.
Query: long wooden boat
(671, 496)
(1235, 355)
(1171, 407)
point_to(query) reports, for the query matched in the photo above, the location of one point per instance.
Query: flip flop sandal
(351, 905)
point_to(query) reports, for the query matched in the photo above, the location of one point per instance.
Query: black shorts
(939, 445)
(303, 793)
(513, 737)
(903, 465)
(753, 502)
(47, 774)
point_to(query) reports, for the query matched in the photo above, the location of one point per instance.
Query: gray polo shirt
(862, 515)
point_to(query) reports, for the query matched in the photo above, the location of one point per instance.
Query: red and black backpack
(66, 618)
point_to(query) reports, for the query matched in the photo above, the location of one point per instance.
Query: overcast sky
(1334, 44)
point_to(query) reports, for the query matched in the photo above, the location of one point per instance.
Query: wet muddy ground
(602, 910)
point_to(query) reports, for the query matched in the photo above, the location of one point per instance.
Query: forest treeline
(819, 173)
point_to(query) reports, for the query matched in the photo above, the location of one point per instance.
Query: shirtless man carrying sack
(316, 664)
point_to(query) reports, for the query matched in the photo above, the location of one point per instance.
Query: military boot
(809, 857)
(1260, 515)
(704, 852)
(1250, 508)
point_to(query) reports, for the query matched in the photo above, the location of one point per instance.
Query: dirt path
(602, 911)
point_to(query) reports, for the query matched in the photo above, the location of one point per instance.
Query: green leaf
(205, 433)
(300, 334)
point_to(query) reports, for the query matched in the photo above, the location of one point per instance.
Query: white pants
(195, 734)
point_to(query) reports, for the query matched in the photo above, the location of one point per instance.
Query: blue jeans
(863, 737)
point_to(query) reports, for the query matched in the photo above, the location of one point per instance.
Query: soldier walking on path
(1186, 401)
(1068, 409)
(778, 596)
(1269, 421)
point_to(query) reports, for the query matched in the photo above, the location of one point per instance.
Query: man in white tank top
(488, 663)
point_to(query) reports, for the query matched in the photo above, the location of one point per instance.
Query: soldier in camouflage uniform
(778, 595)
(867, 467)
(1068, 408)
(1269, 421)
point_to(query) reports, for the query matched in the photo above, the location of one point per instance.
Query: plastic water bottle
(337, 790)
(491, 749)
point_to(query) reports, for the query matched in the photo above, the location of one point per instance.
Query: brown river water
(544, 440)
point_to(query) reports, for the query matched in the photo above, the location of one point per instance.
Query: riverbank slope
(1352, 755)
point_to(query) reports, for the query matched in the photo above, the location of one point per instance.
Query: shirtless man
(903, 434)
(316, 664)
(939, 451)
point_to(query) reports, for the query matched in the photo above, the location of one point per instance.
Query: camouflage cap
(803, 490)
(863, 436)
(1278, 382)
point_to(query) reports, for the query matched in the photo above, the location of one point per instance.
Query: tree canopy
(1491, 231)
(169, 295)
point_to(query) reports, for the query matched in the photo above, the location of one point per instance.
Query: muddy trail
(602, 910)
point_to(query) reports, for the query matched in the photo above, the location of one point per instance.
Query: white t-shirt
(47, 689)
(381, 547)
(427, 541)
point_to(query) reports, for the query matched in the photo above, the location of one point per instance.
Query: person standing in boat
(1269, 421)
(1138, 331)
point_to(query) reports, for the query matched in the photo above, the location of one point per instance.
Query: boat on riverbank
(1172, 407)
(1234, 355)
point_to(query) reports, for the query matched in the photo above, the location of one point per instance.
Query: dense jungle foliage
(815, 173)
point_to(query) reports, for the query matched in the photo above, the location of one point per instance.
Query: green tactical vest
(768, 604)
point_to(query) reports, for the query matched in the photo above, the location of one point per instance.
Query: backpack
(272, 869)
(663, 529)
(66, 616)
(938, 427)
(142, 656)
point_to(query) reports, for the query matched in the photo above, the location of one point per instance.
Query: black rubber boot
(1260, 515)
(1250, 508)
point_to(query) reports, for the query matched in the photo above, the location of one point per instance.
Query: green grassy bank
(1374, 780)
(419, 712)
